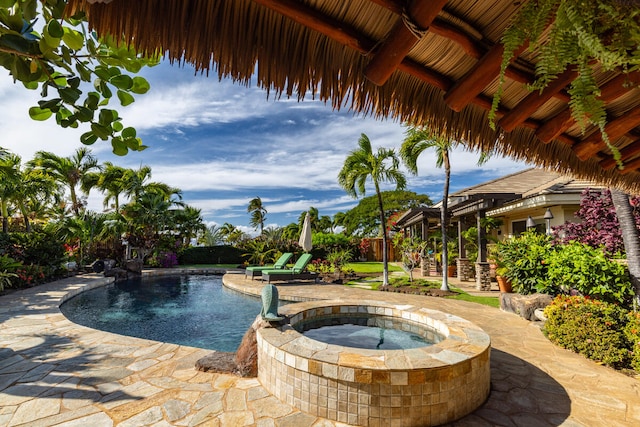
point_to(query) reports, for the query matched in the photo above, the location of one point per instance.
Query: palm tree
(188, 222)
(363, 164)
(136, 182)
(291, 232)
(11, 179)
(631, 238)
(415, 142)
(69, 171)
(212, 236)
(111, 182)
(258, 214)
(418, 140)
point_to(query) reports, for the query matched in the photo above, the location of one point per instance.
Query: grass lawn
(369, 267)
(422, 284)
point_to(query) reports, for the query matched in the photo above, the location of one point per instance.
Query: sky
(224, 144)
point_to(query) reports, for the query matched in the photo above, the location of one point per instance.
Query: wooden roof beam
(614, 129)
(632, 166)
(401, 39)
(610, 91)
(317, 21)
(483, 73)
(535, 100)
(626, 153)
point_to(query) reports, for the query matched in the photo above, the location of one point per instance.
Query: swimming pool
(188, 310)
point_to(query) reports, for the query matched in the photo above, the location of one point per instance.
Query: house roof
(425, 62)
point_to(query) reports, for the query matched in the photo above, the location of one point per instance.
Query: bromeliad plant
(573, 34)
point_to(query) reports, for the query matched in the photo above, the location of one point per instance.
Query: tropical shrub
(31, 275)
(598, 226)
(590, 327)
(577, 266)
(524, 258)
(8, 266)
(331, 241)
(319, 266)
(258, 252)
(338, 258)
(632, 333)
(164, 260)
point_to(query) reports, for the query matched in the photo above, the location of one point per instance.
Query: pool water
(188, 310)
(373, 333)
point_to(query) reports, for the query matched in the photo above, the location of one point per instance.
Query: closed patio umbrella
(305, 236)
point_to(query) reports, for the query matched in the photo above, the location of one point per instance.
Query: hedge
(211, 255)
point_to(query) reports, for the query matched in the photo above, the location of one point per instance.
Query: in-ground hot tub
(428, 385)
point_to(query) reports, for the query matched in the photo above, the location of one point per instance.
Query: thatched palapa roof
(425, 62)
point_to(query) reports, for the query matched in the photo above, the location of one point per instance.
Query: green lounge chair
(279, 264)
(296, 272)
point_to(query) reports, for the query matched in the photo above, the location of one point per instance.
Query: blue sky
(224, 144)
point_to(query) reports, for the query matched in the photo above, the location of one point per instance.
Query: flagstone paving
(57, 373)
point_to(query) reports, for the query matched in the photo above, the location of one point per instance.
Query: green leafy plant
(577, 266)
(8, 267)
(573, 34)
(338, 258)
(524, 258)
(632, 333)
(60, 59)
(590, 327)
(258, 252)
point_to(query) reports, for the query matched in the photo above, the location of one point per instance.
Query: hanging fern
(580, 32)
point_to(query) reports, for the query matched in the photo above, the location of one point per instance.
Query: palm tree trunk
(444, 220)
(383, 227)
(5, 216)
(630, 237)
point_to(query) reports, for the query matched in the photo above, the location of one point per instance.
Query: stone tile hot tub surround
(416, 387)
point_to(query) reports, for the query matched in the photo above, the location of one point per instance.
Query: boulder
(218, 361)
(524, 305)
(118, 273)
(134, 266)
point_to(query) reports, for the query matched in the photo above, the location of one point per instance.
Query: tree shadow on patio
(521, 394)
(56, 366)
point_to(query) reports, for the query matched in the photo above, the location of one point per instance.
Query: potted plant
(452, 256)
(504, 284)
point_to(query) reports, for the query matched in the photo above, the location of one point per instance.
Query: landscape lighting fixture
(548, 216)
(530, 223)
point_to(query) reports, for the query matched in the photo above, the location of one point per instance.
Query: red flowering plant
(363, 247)
(30, 275)
(71, 250)
(392, 221)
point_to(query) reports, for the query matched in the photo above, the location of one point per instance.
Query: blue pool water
(371, 332)
(189, 310)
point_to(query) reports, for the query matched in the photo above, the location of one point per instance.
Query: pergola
(425, 62)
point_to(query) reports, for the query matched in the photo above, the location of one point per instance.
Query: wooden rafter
(483, 73)
(628, 152)
(609, 92)
(614, 129)
(401, 39)
(632, 166)
(535, 100)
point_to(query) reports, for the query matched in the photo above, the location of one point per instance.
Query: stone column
(424, 266)
(464, 269)
(483, 276)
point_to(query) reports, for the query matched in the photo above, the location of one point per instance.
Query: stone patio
(56, 373)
